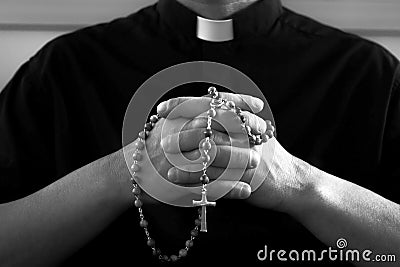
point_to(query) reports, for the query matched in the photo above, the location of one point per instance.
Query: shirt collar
(256, 19)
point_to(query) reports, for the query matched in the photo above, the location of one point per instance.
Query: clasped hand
(187, 122)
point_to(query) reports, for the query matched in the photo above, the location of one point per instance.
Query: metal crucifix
(203, 203)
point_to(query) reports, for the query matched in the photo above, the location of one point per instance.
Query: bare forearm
(47, 226)
(335, 208)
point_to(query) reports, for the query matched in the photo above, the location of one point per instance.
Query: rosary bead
(206, 145)
(216, 102)
(204, 179)
(238, 111)
(136, 191)
(174, 258)
(265, 137)
(253, 139)
(213, 91)
(208, 133)
(189, 243)
(231, 104)
(242, 118)
(194, 233)
(156, 252)
(138, 203)
(272, 128)
(206, 158)
(270, 133)
(148, 127)
(137, 156)
(144, 223)
(165, 258)
(182, 253)
(258, 140)
(212, 113)
(139, 145)
(135, 167)
(154, 118)
(151, 242)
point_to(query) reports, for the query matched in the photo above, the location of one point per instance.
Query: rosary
(216, 102)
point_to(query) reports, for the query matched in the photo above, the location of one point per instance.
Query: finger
(190, 107)
(240, 190)
(179, 176)
(189, 140)
(227, 121)
(201, 122)
(187, 107)
(230, 157)
(257, 124)
(235, 189)
(245, 102)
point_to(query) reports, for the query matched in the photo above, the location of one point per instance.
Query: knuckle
(255, 158)
(197, 123)
(172, 103)
(193, 155)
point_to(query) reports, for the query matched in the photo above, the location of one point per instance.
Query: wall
(25, 25)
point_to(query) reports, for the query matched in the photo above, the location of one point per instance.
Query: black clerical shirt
(335, 99)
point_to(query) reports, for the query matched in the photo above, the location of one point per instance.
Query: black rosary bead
(208, 133)
(148, 126)
(182, 253)
(213, 92)
(151, 242)
(204, 179)
(144, 223)
(154, 119)
(189, 243)
(194, 233)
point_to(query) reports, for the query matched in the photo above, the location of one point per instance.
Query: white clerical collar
(214, 30)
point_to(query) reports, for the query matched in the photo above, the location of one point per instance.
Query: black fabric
(335, 99)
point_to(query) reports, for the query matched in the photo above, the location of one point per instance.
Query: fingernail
(255, 159)
(245, 192)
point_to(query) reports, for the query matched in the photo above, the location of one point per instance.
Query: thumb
(236, 190)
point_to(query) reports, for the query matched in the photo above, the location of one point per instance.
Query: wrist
(116, 175)
(302, 195)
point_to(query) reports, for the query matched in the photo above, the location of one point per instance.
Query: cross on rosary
(203, 203)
